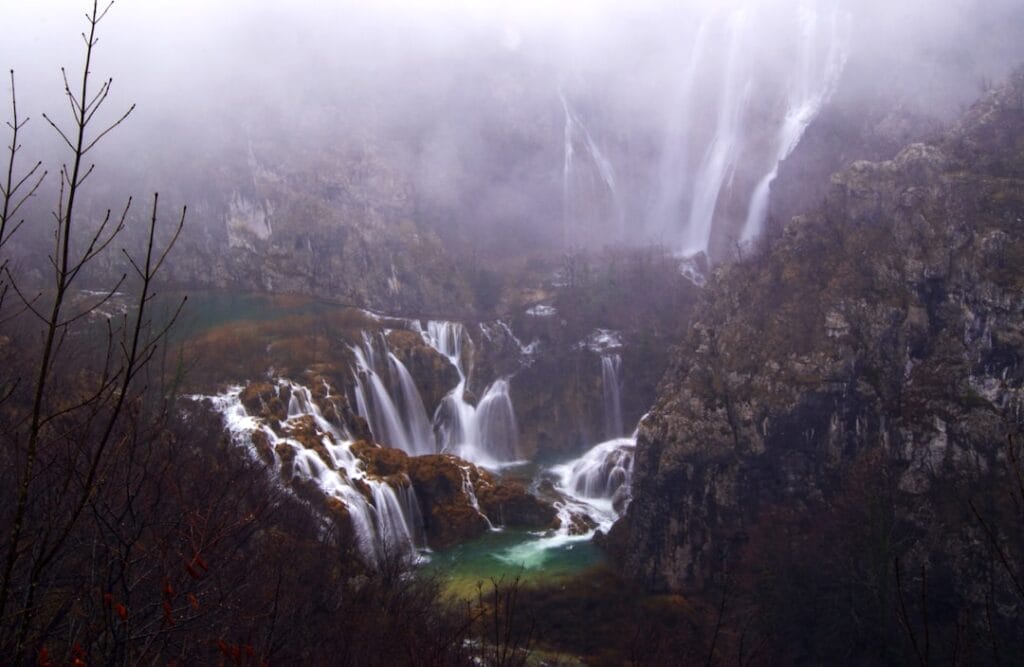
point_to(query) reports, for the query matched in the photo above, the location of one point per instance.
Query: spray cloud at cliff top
(565, 122)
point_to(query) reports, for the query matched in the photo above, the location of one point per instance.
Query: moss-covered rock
(381, 461)
(441, 483)
(458, 501)
(304, 431)
(263, 448)
(510, 503)
(264, 399)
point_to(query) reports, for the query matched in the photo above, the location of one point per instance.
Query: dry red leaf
(168, 613)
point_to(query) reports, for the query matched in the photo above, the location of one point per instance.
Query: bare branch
(97, 102)
(998, 550)
(89, 310)
(88, 172)
(103, 13)
(109, 129)
(76, 107)
(173, 241)
(25, 301)
(98, 98)
(59, 131)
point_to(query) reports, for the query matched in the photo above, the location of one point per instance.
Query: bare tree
(67, 428)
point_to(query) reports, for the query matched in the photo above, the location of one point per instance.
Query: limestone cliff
(335, 222)
(886, 326)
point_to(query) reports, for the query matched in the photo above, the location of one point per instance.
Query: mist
(559, 124)
(476, 332)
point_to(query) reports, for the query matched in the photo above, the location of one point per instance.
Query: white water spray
(386, 522)
(816, 82)
(611, 385)
(720, 158)
(485, 434)
(575, 130)
(396, 416)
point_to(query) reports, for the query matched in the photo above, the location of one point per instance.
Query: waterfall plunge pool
(535, 559)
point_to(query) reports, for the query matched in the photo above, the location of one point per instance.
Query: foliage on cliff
(834, 428)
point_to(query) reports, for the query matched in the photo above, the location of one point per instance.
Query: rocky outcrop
(338, 223)
(509, 503)
(458, 501)
(558, 402)
(887, 326)
(435, 376)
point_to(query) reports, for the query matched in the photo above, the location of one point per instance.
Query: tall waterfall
(611, 385)
(816, 80)
(385, 516)
(674, 167)
(739, 83)
(720, 158)
(577, 205)
(485, 434)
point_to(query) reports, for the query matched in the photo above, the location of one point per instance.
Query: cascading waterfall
(397, 418)
(816, 80)
(595, 486)
(485, 434)
(418, 428)
(387, 523)
(603, 473)
(497, 422)
(611, 385)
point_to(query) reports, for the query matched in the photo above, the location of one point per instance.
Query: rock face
(338, 223)
(887, 326)
(458, 501)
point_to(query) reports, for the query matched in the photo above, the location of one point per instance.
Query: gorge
(514, 334)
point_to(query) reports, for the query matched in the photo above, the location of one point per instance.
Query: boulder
(510, 503)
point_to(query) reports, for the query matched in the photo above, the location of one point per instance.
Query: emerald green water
(507, 553)
(205, 310)
(534, 558)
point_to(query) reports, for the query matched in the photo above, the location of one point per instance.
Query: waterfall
(720, 158)
(597, 485)
(673, 170)
(567, 158)
(611, 384)
(397, 417)
(574, 130)
(739, 83)
(385, 521)
(418, 429)
(485, 434)
(603, 473)
(816, 81)
(496, 421)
